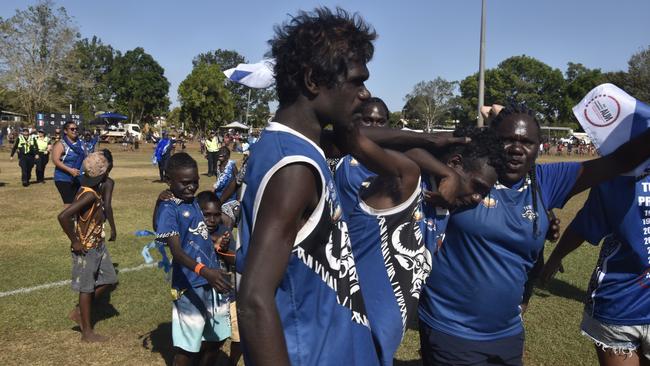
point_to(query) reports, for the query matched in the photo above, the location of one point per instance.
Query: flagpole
(481, 68)
(248, 102)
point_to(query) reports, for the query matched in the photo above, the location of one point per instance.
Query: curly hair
(322, 41)
(224, 150)
(207, 196)
(485, 144)
(179, 161)
(375, 101)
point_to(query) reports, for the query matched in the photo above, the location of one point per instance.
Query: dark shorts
(92, 269)
(67, 190)
(442, 349)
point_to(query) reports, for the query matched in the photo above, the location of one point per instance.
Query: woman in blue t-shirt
(471, 307)
(67, 155)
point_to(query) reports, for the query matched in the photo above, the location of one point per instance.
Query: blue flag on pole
(258, 75)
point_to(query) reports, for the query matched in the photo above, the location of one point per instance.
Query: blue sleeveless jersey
(319, 299)
(619, 211)
(71, 159)
(478, 276)
(350, 175)
(433, 220)
(392, 264)
(223, 181)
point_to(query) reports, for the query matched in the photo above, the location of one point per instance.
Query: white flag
(611, 117)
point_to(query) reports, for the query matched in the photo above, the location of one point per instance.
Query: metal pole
(481, 67)
(248, 103)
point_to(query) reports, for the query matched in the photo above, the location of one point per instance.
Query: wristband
(198, 267)
(225, 254)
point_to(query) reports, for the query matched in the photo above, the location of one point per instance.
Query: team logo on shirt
(406, 260)
(354, 162)
(334, 262)
(417, 261)
(201, 230)
(489, 202)
(529, 213)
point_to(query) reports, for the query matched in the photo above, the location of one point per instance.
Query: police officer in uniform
(27, 154)
(212, 147)
(44, 145)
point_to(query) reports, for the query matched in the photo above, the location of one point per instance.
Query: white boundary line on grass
(25, 290)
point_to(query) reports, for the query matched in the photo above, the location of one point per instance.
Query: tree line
(519, 79)
(45, 66)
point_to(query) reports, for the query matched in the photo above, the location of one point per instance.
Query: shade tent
(108, 118)
(111, 115)
(236, 125)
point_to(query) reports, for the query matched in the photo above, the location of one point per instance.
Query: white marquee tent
(236, 125)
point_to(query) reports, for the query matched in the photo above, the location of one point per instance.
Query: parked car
(116, 133)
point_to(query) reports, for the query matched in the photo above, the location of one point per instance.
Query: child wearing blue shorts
(200, 315)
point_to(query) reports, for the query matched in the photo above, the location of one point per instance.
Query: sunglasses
(72, 129)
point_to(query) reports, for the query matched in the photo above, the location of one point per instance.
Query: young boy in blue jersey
(617, 311)
(479, 286)
(200, 321)
(211, 209)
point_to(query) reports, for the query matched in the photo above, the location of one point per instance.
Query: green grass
(34, 328)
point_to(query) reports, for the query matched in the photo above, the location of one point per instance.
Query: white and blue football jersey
(319, 299)
(185, 220)
(350, 176)
(392, 264)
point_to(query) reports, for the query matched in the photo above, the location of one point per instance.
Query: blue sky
(418, 40)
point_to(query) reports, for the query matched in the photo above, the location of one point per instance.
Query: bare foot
(93, 337)
(75, 316)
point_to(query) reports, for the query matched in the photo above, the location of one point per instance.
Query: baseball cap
(94, 168)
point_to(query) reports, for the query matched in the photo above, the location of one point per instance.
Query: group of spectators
(234, 141)
(555, 147)
(34, 148)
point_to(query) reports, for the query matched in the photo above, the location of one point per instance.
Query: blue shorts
(443, 349)
(199, 315)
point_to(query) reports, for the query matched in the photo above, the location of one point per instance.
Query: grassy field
(34, 328)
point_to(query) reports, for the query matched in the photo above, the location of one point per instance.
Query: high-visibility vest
(25, 143)
(212, 145)
(42, 144)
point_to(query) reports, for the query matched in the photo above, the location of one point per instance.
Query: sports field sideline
(35, 330)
